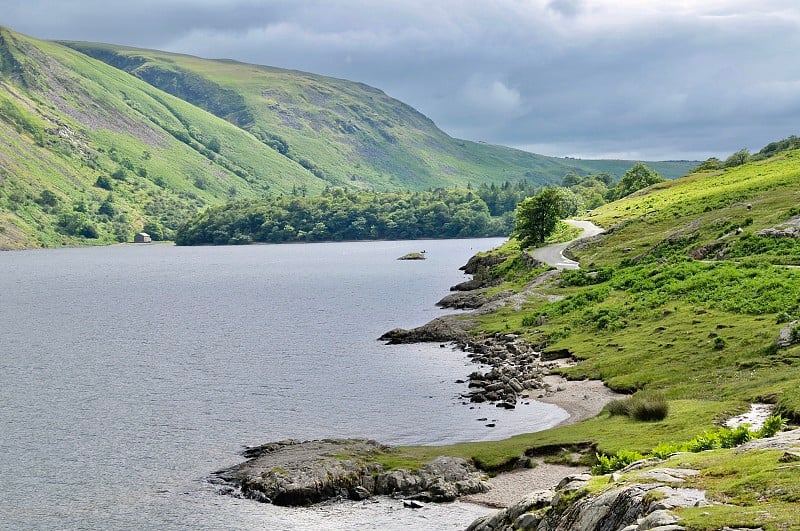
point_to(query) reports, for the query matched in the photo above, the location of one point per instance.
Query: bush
(103, 182)
(618, 407)
(664, 450)
(643, 406)
(606, 464)
(710, 440)
(771, 426)
(648, 406)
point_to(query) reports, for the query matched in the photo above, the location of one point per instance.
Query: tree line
(340, 214)
(344, 214)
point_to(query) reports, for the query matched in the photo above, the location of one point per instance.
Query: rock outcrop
(295, 473)
(788, 335)
(470, 300)
(445, 329)
(788, 229)
(643, 501)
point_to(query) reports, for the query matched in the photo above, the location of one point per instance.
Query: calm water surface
(128, 374)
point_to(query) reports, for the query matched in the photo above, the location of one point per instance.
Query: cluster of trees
(341, 214)
(743, 156)
(536, 217)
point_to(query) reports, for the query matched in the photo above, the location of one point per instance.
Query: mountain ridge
(90, 154)
(344, 119)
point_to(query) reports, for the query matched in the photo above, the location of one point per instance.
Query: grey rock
(668, 475)
(657, 519)
(675, 497)
(527, 522)
(785, 440)
(360, 493)
(573, 479)
(509, 517)
(294, 473)
(786, 335)
(442, 329)
(516, 385)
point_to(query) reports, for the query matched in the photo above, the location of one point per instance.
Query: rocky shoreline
(295, 473)
(517, 370)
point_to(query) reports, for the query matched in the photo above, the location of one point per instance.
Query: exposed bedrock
(295, 473)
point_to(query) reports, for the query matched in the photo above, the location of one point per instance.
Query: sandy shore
(582, 400)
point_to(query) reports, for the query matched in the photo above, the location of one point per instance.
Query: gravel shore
(582, 400)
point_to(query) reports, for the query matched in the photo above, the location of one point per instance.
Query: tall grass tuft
(643, 406)
(648, 406)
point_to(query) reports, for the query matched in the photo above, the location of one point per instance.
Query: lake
(130, 373)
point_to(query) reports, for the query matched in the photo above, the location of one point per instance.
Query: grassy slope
(703, 332)
(351, 133)
(68, 119)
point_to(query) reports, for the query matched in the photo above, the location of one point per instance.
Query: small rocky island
(413, 256)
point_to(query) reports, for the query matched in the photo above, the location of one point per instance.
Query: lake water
(130, 373)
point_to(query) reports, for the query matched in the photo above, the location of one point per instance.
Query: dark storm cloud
(564, 77)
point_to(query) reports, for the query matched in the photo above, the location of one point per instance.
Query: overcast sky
(638, 79)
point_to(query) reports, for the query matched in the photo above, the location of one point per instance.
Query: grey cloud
(567, 8)
(569, 77)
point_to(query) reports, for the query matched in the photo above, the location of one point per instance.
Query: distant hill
(91, 154)
(345, 132)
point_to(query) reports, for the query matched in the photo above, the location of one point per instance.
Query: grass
(643, 406)
(752, 489)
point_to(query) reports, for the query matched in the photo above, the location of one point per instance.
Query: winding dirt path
(554, 254)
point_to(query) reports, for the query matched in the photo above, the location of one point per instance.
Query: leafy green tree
(712, 163)
(737, 159)
(107, 207)
(536, 217)
(636, 178)
(47, 198)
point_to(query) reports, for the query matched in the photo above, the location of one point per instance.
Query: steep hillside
(691, 303)
(346, 133)
(90, 154)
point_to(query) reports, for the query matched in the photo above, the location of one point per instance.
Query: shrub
(710, 440)
(648, 406)
(103, 182)
(735, 437)
(606, 464)
(664, 450)
(47, 198)
(618, 407)
(771, 426)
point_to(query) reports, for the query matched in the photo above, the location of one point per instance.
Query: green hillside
(347, 133)
(682, 302)
(91, 154)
